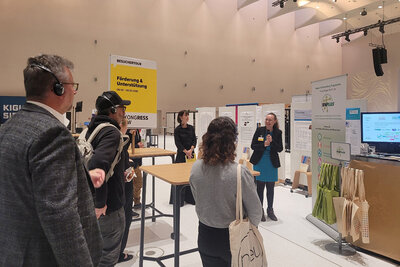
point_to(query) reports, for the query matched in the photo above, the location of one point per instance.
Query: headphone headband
(58, 87)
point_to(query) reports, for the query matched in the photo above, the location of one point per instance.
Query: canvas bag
(360, 222)
(86, 148)
(340, 202)
(246, 242)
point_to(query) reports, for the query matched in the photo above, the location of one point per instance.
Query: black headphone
(58, 87)
(112, 109)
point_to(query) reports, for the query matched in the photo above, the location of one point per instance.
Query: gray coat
(47, 214)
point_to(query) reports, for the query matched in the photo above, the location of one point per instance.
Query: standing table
(152, 152)
(178, 176)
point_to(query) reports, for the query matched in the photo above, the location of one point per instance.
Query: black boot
(271, 215)
(263, 216)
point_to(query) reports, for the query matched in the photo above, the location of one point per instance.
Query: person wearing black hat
(109, 198)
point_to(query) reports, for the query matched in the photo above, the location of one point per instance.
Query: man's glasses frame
(75, 86)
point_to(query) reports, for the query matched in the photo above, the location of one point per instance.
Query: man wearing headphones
(109, 198)
(47, 215)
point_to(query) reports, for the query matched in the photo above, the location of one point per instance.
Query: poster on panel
(227, 112)
(203, 118)
(328, 119)
(136, 80)
(10, 105)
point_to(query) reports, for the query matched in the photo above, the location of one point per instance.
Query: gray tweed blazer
(47, 214)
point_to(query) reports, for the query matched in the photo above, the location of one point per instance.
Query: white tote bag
(246, 242)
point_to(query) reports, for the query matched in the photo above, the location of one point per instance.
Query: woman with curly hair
(213, 183)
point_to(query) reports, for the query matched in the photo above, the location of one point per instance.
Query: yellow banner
(136, 80)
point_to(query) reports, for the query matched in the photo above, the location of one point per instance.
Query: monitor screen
(381, 129)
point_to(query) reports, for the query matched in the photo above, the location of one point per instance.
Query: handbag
(245, 240)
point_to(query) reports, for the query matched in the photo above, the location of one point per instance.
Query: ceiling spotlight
(336, 1)
(337, 39)
(282, 4)
(347, 38)
(344, 18)
(363, 12)
(379, 6)
(365, 32)
(382, 28)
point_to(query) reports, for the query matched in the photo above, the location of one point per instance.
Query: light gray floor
(292, 241)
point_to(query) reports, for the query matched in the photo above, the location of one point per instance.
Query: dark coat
(258, 146)
(184, 139)
(47, 214)
(105, 147)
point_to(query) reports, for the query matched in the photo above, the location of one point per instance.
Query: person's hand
(97, 176)
(101, 211)
(269, 138)
(140, 144)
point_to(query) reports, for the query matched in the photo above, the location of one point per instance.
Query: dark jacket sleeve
(194, 139)
(276, 144)
(178, 141)
(106, 145)
(53, 169)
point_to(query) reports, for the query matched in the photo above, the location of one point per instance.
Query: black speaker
(376, 55)
(58, 87)
(78, 107)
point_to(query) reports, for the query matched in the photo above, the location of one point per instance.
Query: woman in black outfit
(185, 141)
(267, 143)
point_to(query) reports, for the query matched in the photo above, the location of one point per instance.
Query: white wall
(236, 49)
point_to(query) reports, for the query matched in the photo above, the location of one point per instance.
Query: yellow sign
(136, 80)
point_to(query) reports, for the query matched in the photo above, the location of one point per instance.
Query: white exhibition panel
(191, 118)
(203, 118)
(300, 137)
(279, 110)
(246, 127)
(353, 123)
(170, 123)
(227, 112)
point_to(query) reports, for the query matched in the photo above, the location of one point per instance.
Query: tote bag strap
(239, 206)
(360, 184)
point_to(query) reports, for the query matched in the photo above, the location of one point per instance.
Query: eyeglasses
(123, 107)
(75, 86)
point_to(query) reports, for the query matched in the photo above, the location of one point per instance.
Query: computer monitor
(382, 130)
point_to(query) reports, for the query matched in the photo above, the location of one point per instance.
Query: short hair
(181, 113)
(37, 81)
(276, 124)
(219, 142)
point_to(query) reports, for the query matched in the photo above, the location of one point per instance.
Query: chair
(296, 179)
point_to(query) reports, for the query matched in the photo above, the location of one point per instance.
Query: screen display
(380, 127)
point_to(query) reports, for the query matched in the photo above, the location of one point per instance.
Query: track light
(282, 4)
(382, 28)
(347, 38)
(337, 39)
(363, 12)
(365, 32)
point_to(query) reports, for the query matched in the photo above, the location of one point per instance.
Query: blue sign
(353, 114)
(10, 105)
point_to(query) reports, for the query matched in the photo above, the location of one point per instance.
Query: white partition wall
(300, 136)
(170, 122)
(354, 107)
(203, 117)
(227, 112)
(279, 110)
(247, 125)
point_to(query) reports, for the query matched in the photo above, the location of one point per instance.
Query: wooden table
(177, 175)
(152, 152)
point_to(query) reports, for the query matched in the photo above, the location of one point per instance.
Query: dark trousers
(214, 246)
(128, 214)
(270, 192)
(112, 227)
